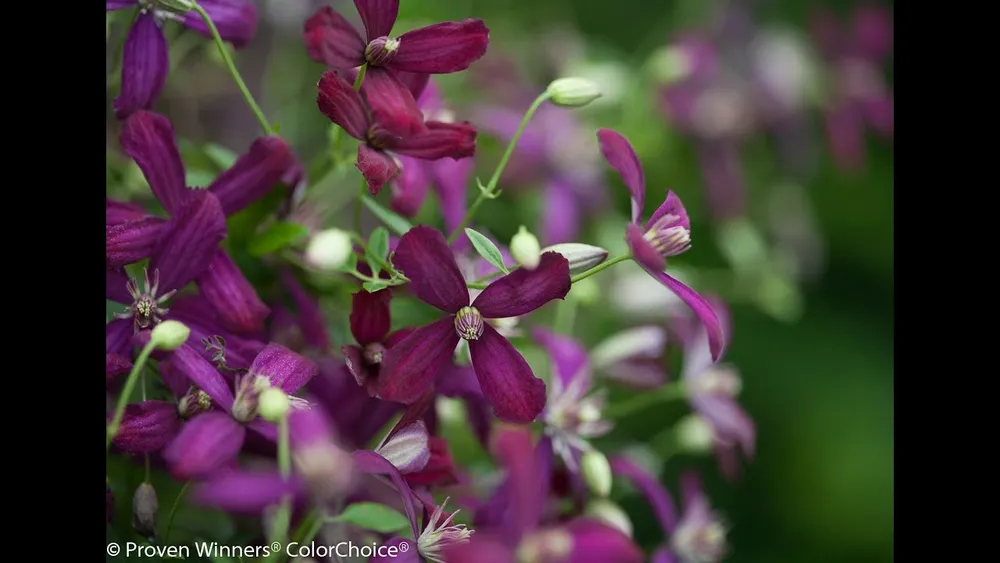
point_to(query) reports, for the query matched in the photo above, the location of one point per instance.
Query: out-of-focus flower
(634, 356)
(370, 324)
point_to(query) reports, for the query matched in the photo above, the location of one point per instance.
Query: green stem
(283, 518)
(173, 511)
(668, 392)
(133, 376)
(228, 60)
(361, 76)
(602, 266)
(487, 192)
(382, 263)
(142, 387)
(476, 285)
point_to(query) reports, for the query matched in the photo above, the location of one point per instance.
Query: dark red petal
(441, 48)
(524, 290)
(115, 286)
(188, 241)
(506, 378)
(642, 249)
(130, 242)
(378, 16)
(232, 296)
(149, 139)
(342, 104)
(410, 367)
(370, 320)
(394, 110)
(411, 187)
(355, 362)
(621, 156)
(594, 540)
(423, 256)
(415, 82)
(397, 336)
(253, 174)
(440, 140)
(145, 62)
(440, 468)
(332, 40)
(376, 166)
(201, 373)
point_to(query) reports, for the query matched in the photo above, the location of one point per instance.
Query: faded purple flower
(635, 356)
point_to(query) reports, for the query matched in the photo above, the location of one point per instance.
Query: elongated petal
(441, 48)
(594, 540)
(424, 257)
(440, 140)
(118, 337)
(483, 548)
(311, 322)
(147, 427)
(561, 213)
(657, 496)
(189, 241)
(701, 307)
(515, 452)
(410, 367)
(254, 174)
(371, 462)
(731, 424)
(119, 4)
(411, 186)
(672, 212)
(145, 63)
(377, 167)
(231, 295)
(236, 20)
(199, 315)
(451, 182)
(116, 365)
(642, 250)
(621, 156)
(568, 356)
(116, 212)
(370, 321)
(408, 449)
(286, 369)
(342, 104)
(458, 381)
(378, 16)
(128, 243)
(202, 373)
(245, 492)
(506, 378)
(522, 291)
(115, 286)
(206, 443)
(332, 40)
(393, 108)
(149, 140)
(416, 83)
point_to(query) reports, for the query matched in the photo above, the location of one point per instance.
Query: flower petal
(370, 320)
(410, 367)
(145, 63)
(441, 48)
(149, 140)
(621, 156)
(116, 212)
(416, 83)
(423, 256)
(245, 492)
(119, 4)
(378, 16)
(731, 424)
(236, 20)
(440, 140)
(198, 314)
(440, 468)
(371, 462)
(700, 306)
(189, 241)
(458, 381)
(254, 174)
(515, 452)
(642, 250)
(408, 448)
(147, 427)
(376, 166)
(506, 378)
(339, 102)
(594, 540)
(286, 369)
(116, 365)
(562, 213)
(311, 321)
(569, 358)
(411, 186)
(393, 108)
(663, 555)
(451, 182)
(118, 337)
(206, 443)
(673, 207)
(522, 291)
(650, 487)
(482, 548)
(332, 40)
(202, 373)
(130, 242)
(233, 297)
(115, 282)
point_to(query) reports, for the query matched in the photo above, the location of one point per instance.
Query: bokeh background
(809, 273)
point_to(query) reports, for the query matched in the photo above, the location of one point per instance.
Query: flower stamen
(145, 309)
(469, 323)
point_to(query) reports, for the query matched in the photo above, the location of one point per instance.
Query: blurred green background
(818, 382)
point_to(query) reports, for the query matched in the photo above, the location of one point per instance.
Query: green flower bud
(572, 92)
(179, 7)
(329, 249)
(695, 434)
(170, 335)
(273, 404)
(144, 507)
(525, 249)
(596, 472)
(611, 514)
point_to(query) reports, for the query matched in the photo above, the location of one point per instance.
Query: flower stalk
(129, 387)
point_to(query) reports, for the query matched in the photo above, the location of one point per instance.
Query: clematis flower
(145, 59)
(634, 356)
(666, 234)
(474, 268)
(380, 117)
(410, 367)
(370, 323)
(699, 536)
(149, 426)
(308, 325)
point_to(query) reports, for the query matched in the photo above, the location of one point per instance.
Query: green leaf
(220, 156)
(373, 516)
(351, 265)
(277, 236)
(378, 248)
(486, 249)
(373, 286)
(390, 219)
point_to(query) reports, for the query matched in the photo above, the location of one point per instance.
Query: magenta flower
(410, 367)
(370, 324)
(384, 117)
(666, 234)
(145, 59)
(149, 426)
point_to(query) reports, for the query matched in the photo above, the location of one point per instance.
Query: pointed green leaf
(398, 224)
(373, 286)
(373, 516)
(486, 249)
(276, 237)
(378, 248)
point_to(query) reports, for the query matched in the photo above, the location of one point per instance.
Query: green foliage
(277, 236)
(378, 249)
(373, 516)
(392, 220)
(486, 249)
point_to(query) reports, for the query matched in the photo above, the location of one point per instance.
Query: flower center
(248, 388)
(438, 535)
(700, 542)
(668, 237)
(381, 50)
(469, 323)
(145, 309)
(374, 353)
(194, 402)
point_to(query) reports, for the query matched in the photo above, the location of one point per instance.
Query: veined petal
(424, 257)
(354, 359)
(451, 182)
(116, 365)
(116, 212)
(392, 105)
(147, 427)
(245, 492)
(378, 16)
(506, 379)
(285, 369)
(202, 373)
(411, 186)
(206, 443)
(621, 156)
(128, 243)
(199, 315)
(441, 48)
(311, 321)
(650, 487)
(440, 140)
(674, 208)
(594, 540)
(408, 448)
(568, 356)
(416, 83)
(458, 381)
(231, 295)
(253, 174)
(189, 241)
(370, 321)
(642, 250)
(371, 462)
(338, 100)
(235, 19)
(522, 291)
(118, 337)
(376, 166)
(410, 367)
(149, 140)
(332, 40)
(145, 63)
(700, 306)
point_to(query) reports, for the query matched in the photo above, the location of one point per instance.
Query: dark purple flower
(145, 59)
(370, 324)
(410, 367)
(666, 234)
(391, 125)
(149, 426)
(117, 365)
(307, 328)
(358, 416)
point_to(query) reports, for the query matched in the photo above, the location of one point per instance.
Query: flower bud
(596, 472)
(694, 434)
(179, 7)
(611, 514)
(170, 335)
(581, 257)
(525, 249)
(273, 404)
(144, 507)
(329, 249)
(572, 92)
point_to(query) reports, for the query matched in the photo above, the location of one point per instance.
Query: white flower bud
(525, 249)
(329, 249)
(273, 404)
(596, 472)
(611, 514)
(170, 335)
(695, 434)
(581, 257)
(572, 92)
(179, 7)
